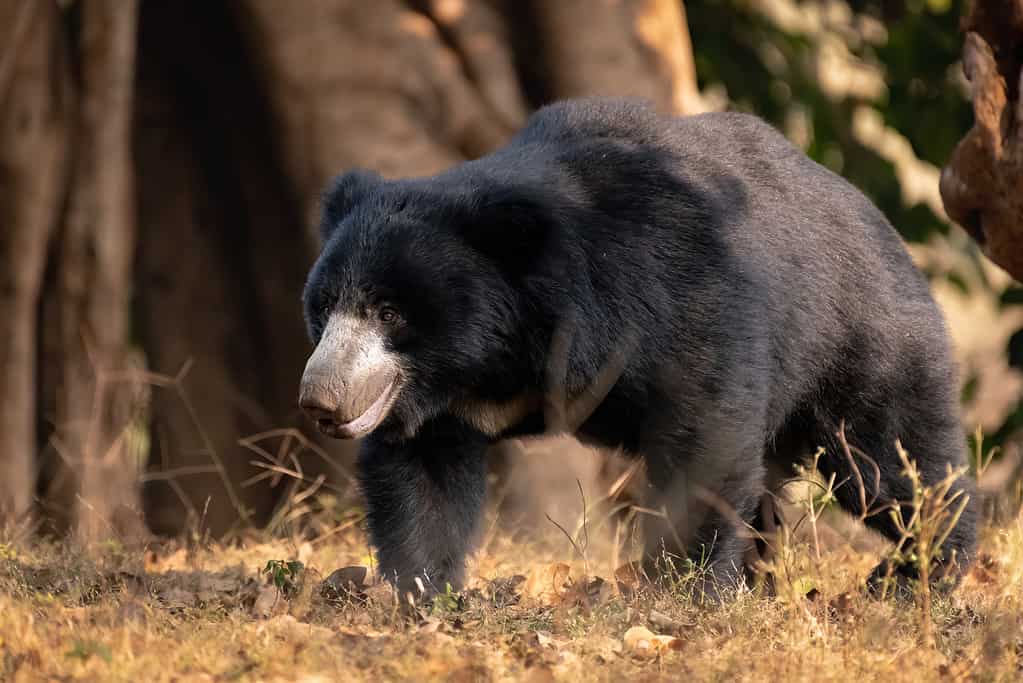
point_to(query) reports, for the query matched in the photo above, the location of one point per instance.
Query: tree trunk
(222, 256)
(982, 184)
(638, 48)
(33, 142)
(94, 409)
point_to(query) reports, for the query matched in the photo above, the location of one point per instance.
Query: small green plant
(446, 602)
(284, 574)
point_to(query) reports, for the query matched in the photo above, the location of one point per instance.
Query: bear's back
(811, 256)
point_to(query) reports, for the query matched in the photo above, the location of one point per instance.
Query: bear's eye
(388, 315)
(326, 306)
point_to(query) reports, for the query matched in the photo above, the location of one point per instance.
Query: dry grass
(209, 614)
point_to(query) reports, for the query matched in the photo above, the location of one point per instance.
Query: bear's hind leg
(933, 444)
(703, 500)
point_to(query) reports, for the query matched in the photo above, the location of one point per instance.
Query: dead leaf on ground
(548, 584)
(345, 584)
(642, 642)
(504, 591)
(664, 623)
(630, 578)
(589, 592)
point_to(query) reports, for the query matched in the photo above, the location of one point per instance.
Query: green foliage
(446, 602)
(284, 574)
(776, 73)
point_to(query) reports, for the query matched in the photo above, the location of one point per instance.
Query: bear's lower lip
(369, 420)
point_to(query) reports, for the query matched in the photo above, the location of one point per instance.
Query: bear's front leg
(424, 498)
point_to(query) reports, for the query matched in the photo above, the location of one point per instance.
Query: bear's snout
(350, 382)
(318, 403)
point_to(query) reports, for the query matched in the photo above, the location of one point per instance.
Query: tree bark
(33, 143)
(637, 48)
(94, 274)
(379, 89)
(222, 256)
(982, 184)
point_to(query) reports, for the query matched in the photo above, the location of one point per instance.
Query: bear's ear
(511, 226)
(341, 196)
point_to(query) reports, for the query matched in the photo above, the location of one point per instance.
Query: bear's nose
(318, 403)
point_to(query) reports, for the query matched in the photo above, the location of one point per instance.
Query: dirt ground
(538, 607)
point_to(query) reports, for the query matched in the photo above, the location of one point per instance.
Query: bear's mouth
(370, 418)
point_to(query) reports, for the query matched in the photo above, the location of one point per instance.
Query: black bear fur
(748, 301)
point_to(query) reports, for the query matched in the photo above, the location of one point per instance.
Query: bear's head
(417, 301)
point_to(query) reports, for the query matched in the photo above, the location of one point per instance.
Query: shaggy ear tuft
(341, 196)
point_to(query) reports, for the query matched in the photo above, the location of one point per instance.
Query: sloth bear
(692, 291)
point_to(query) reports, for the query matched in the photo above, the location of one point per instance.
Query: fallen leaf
(641, 641)
(630, 578)
(590, 592)
(504, 591)
(663, 622)
(547, 585)
(804, 585)
(346, 583)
